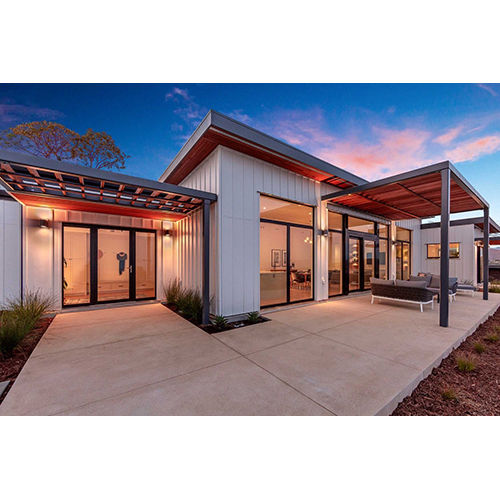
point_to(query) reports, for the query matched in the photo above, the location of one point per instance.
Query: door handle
(130, 269)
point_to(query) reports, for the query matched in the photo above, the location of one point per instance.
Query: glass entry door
(114, 268)
(354, 263)
(361, 262)
(403, 267)
(106, 264)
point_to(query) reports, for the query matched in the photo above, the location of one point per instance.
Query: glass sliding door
(113, 264)
(368, 262)
(334, 263)
(273, 263)
(301, 263)
(145, 268)
(286, 251)
(354, 264)
(76, 265)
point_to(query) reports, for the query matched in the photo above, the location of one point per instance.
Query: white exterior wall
(10, 250)
(187, 263)
(238, 180)
(463, 268)
(43, 246)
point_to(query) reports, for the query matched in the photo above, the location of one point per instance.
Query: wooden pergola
(430, 191)
(41, 182)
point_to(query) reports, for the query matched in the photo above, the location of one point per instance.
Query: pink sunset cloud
(449, 136)
(473, 149)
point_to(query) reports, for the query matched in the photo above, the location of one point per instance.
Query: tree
(98, 150)
(55, 141)
(47, 139)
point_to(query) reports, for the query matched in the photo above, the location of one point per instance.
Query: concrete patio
(342, 357)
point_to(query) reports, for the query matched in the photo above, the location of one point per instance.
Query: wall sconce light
(167, 232)
(323, 232)
(44, 223)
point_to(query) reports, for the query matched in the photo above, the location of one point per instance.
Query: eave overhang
(220, 130)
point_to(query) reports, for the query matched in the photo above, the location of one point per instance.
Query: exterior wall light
(44, 223)
(167, 232)
(323, 232)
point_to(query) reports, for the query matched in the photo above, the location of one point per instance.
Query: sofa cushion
(435, 281)
(425, 278)
(379, 281)
(411, 284)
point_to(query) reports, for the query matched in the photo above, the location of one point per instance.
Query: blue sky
(373, 130)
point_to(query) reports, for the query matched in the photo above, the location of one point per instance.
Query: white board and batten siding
(463, 268)
(10, 250)
(238, 180)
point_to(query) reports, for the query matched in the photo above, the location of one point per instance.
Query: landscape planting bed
(449, 391)
(11, 367)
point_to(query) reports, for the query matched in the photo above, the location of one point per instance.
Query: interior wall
(10, 249)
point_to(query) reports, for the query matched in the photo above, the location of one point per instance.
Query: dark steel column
(486, 252)
(444, 302)
(206, 263)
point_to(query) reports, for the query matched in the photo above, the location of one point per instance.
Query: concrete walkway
(343, 357)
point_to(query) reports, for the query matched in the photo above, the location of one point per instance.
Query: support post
(206, 263)
(486, 252)
(444, 303)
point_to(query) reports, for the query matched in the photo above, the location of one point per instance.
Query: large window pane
(273, 262)
(145, 269)
(76, 261)
(334, 221)
(113, 264)
(301, 259)
(383, 259)
(334, 263)
(362, 225)
(285, 211)
(406, 261)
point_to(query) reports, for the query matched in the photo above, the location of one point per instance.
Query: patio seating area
(340, 357)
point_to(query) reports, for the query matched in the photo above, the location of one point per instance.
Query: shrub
(253, 317)
(172, 291)
(30, 308)
(479, 348)
(449, 395)
(466, 363)
(220, 322)
(494, 289)
(492, 337)
(190, 304)
(12, 332)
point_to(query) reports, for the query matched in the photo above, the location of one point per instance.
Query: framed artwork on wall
(275, 257)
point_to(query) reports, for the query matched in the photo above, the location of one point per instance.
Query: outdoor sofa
(414, 292)
(434, 284)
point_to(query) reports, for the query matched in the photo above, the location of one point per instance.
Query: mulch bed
(476, 392)
(211, 328)
(11, 367)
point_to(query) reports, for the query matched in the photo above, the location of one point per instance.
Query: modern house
(249, 220)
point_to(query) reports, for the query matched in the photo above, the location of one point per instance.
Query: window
(434, 250)
(403, 234)
(334, 221)
(361, 225)
(285, 211)
(383, 230)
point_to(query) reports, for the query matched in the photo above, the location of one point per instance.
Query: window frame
(439, 250)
